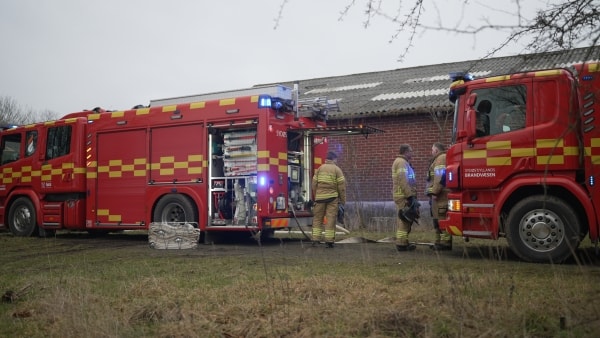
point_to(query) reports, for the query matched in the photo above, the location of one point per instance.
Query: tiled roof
(424, 88)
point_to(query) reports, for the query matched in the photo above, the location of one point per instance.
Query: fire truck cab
(524, 160)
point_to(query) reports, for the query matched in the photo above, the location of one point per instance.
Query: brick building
(411, 106)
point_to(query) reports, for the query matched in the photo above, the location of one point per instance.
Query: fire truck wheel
(22, 217)
(543, 229)
(175, 209)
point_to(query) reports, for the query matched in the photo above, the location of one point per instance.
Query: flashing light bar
(9, 126)
(267, 101)
(592, 181)
(457, 76)
(264, 101)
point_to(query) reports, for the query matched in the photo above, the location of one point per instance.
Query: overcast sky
(72, 55)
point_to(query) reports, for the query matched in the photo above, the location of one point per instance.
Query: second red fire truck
(525, 161)
(230, 161)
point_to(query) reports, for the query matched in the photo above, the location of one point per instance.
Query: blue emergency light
(460, 77)
(456, 76)
(264, 101)
(8, 126)
(262, 181)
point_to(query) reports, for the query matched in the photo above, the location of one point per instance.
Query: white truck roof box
(279, 91)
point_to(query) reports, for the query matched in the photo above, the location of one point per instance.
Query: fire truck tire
(543, 229)
(22, 217)
(175, 208)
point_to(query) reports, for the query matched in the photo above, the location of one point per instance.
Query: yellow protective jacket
(329, 182)
(404, 183)
(436, 175)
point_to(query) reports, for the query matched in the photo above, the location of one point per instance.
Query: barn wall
(367, 162)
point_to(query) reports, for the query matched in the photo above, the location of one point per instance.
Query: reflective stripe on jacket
(435, 176)
(404, 183)
(329, 182)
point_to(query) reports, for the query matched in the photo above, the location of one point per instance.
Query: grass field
(73, 285)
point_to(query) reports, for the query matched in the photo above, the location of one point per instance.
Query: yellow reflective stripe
(474, 154)
(497, 161)
(322, 196)
(498, 145)
(551, 159)
(522, 152)
(571, 151)
(399, 171)
(454, 230)
(497, 78)
(549, 143)
(547, 72)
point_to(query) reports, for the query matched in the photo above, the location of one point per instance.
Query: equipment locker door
(177, 154)
(122, 179)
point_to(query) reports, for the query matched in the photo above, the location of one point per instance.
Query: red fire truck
(229, 161)
(524, 160)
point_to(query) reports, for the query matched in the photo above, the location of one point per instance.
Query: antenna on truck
(295, 97)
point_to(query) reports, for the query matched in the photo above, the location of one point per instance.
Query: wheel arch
(193, 196)
(17, 193)
(570, 193)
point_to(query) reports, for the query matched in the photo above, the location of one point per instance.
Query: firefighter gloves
(340, 215)
(410, 213)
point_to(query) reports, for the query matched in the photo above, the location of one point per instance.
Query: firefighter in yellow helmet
(329, 188)
(404, 193)
(438, 194)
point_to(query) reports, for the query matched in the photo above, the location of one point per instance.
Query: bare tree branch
(280, 14)
(562, 25)
(11, 113)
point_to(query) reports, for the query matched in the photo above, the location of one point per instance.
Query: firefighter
(329, 187)
(405, 197)
(438, 195)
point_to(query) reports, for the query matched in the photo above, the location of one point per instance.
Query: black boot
(408, 247)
